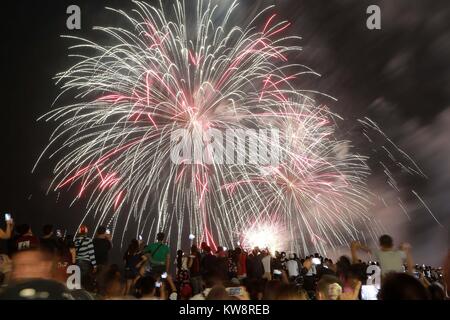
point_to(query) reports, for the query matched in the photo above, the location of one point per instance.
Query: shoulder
(402, 254)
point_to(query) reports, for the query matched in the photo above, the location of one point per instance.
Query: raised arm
(7, 233)
(167, 262)
(354, 247)
(406, 248)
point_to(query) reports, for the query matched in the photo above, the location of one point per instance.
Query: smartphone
(369, 292)
(316, 261)
(158, 284)
(59, 233)
(140, 238)
(277, 272)
(235, 291)
(7, 217)
(108, 231)
(164, 275)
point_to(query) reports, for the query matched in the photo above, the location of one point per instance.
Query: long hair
(133, 248)
(179, 259)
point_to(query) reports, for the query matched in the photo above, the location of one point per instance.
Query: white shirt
(266, 263)
(390, 261)
(292, 267)
(184, 262)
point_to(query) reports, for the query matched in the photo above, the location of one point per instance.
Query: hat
(83, 229)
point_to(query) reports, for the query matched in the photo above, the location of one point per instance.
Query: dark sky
(398, 75)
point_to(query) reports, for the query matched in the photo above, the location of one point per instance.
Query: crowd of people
(34, 267)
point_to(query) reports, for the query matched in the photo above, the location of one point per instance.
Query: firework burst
(166, 70)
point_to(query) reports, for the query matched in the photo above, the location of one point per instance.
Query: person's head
(32, 264)
(22, 229)
(101, 230)
(402, 286)
(203, 245)
(218, 293)
(179, 253)
(255, 288)
(436, 291)
(112, 282)
(291, 256)
(343, 266)
(291, 292)
(145, 287)
(207, 250)
(160, 236)
(133, 247)
(386, 242)
(272, 290)
(194, 249)
(47, 230)
(328, 288)
(211, 281)
(83, 230)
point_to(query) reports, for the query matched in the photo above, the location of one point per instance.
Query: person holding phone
(390, 259)
(102, 246)
(27, 240)
(48, 241)
(158, 254)
(5, 235)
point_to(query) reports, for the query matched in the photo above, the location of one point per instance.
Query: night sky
(399, 76)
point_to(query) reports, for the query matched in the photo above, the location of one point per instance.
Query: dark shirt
(101, 248)
(209, 265)
(48, 244)
(26, 242)
(255, 268)
(222, 268)
(195, 267)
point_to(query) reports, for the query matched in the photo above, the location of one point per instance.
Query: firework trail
(166, 70)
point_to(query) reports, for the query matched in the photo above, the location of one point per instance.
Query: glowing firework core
(265, 235)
